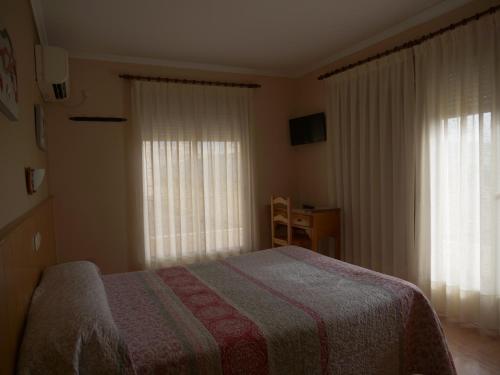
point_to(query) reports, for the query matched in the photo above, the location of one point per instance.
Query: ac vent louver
(59, 90)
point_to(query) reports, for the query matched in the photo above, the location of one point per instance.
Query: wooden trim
(10, 227)
(20, 270)
(190, 81)
(412, 43)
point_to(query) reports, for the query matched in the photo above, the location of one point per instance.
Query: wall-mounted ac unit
(52, 72)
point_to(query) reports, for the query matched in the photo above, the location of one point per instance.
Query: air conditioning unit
(52, 72)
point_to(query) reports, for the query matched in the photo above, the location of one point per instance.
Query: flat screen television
(308, 129)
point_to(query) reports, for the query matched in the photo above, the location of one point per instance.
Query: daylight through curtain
(197, 195)
(458, 82)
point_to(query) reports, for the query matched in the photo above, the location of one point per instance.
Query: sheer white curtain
(458, 87)
(370, 112)
(197, 191)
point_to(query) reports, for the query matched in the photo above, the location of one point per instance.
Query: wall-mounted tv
(308, 129)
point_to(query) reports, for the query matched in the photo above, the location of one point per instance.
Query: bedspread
(280, 311)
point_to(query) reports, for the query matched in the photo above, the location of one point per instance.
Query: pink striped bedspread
(281, 311)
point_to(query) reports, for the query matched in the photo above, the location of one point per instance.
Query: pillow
(70, 329)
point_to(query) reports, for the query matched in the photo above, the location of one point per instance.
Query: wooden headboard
(20, 270)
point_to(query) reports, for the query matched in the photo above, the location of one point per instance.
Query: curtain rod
(412, 43)
(190, 81)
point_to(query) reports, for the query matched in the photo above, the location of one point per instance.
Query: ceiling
(282, 37)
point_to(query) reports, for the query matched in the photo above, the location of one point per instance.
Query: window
(194, 146)
(460, 153)
(213, 168)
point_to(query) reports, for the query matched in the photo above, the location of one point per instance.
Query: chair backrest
(281, 231)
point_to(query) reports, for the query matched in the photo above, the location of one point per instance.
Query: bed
(280, 311)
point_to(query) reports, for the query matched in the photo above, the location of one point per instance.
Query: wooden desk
(309, 227)
(305, 228)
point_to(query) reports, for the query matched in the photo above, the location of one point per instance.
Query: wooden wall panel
(20, 270)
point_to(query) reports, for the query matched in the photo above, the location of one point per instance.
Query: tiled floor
(473, 353)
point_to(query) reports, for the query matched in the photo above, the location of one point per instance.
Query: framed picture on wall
(9, 98)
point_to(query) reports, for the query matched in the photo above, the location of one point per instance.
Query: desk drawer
(302, 220)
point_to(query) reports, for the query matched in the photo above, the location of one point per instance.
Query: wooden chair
(281, 218)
